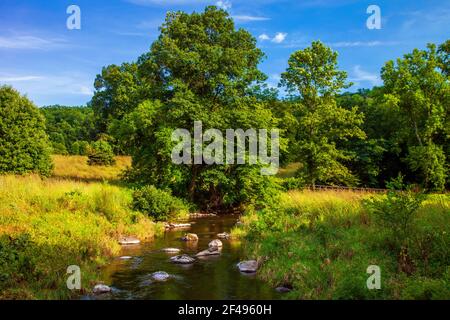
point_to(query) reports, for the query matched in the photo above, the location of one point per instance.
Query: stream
(208, 278)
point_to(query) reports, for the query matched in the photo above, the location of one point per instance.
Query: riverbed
(213, 277)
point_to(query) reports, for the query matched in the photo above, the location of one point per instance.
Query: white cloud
(263, 37)
(18, 78)
(225, 4)
(279, 37)
(361, 75)
(29, 42)
(245, 18)
(347, 44)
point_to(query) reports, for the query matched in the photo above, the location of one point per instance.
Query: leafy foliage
(24, 145)
(101, 154)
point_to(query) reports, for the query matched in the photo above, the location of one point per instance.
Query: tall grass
(321, 243)
(47, 225)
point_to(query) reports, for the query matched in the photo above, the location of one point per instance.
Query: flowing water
(213, 277)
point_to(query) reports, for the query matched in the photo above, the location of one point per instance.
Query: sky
(52, 64)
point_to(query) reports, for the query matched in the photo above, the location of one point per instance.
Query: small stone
(182, 259)
(101, 288)
(209, 252)
(282, 289)
(223, 235)
(160, 276)
(129, 240)
(190, 237)
(125, 258)
(215, 244)
(249, 266)
(171, 250)
(177, 225)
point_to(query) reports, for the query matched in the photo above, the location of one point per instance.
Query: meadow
(320, 244)
(74, 217)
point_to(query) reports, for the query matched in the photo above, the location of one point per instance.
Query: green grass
(47, 225)
(321, 243)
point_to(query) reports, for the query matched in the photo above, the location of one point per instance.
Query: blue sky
(53, 65)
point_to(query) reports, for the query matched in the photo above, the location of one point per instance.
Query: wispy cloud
(30, 42)
(346, 44)
(167, 2)
(224, 4)
(263, 37)
(360, 75)
(10, 79)
(248, 18)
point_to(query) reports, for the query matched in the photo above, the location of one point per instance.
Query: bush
(292, 184)
(80, 148)
(159, 204)
(101, 154)
(24, 145)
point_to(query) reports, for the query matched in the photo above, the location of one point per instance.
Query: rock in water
(249, 266)
(182, 259)
(215, 244)
(129, 240)
(125, 258)
(160, 276)
(212, 251)
(101, 288)
(190, 237)
(223, 235)
(171, 250)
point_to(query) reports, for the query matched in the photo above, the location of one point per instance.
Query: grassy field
(320, 244)
(47, 225)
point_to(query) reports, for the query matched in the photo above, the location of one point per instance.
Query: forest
(106, 167)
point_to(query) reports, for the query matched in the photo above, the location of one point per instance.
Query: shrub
(292, 184)
(24, 145)
(80, 148)
(159, 204)
(101, 154)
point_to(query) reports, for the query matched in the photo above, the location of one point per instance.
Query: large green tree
(418, 86)
(200, 69)
(24, 145)
(313, 81)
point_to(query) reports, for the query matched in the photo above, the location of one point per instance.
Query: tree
(24, 145)
(201, 69)
(313, 81)
(100, 154)
(421, 91)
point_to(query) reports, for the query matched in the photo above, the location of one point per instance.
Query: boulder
(171, 250)
(215, 244)
(212, 251)
(249, 266)
(129, 240)
(190, 237)
(224, 235)
(101, 288)
(160, 276)
(182, 259)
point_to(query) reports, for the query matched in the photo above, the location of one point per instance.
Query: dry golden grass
(289, 170)
(76, 168)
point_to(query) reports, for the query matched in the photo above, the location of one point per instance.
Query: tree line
(201, 68)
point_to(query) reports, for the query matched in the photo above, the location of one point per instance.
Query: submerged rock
(249, 266)
(160, 276)
(125, 258)
(190, 237)
(215, 244)
(182, 259)
(212, 251)
(177, 225)
(171, 250)
(101, 288)
(129, 240)
(223, 235)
